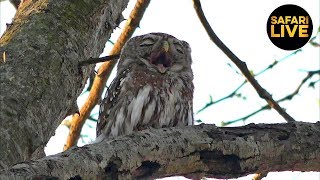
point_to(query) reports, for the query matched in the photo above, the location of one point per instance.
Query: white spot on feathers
(137, 105)
(167, 116)
(190, 118)
(119, 121)
(149, 112)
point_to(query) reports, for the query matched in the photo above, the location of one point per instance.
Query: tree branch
(240, 64)
(234, 92)
(97, 60)
(104, 73)
(193, 151)
(287, 97)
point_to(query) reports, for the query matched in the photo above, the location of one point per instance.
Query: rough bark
(193, 151)
(39, 75)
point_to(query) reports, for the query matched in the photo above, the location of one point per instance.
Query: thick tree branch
(104, 73)
(240, 64)
(193, 151)
(39, 75)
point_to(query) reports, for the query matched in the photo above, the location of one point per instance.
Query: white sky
(242, 27)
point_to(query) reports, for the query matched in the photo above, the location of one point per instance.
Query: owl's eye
(178, 47)
(147, 42)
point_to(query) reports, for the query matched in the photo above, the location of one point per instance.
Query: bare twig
(311, 84)
(222, 99)
(104, 73)
(287, 97)
(278, 61)
(313, 42)
(240, 64)
(97, 60)
(233, 93)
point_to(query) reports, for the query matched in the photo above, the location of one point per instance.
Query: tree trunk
(39, 75)
(193, 151)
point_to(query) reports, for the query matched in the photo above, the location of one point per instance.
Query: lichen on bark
(39, 77)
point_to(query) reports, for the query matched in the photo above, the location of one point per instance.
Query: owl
(153, 87)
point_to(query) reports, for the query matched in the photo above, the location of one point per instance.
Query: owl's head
(158, 52)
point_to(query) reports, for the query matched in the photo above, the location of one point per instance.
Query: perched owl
(153, 87)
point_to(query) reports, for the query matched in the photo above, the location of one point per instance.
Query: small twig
(313, 42)
(92, 119)
(265, 107)
(221, 99)
(233, 93)
(311, 84)
(278, 61)
(240, 64)
(286, 98)
(98, 60)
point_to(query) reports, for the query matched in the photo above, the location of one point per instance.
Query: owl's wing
(109, 101)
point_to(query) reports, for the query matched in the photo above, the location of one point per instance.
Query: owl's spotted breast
(149, 101)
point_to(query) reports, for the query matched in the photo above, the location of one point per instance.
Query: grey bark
(39, 75)
(193, 151)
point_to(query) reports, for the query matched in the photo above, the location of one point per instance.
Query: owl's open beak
(165, 46)
(161, 58)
